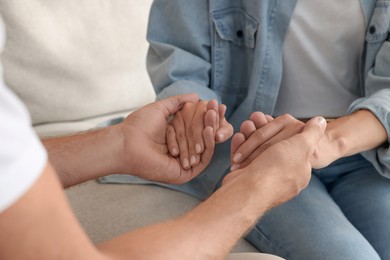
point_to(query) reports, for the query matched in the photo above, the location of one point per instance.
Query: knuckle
(180, 135)
(259, 135)
(203, 103)
(187, 106)
(190, 131)
(287, 117)
(264, 147)
(197, 131)
(198, 120)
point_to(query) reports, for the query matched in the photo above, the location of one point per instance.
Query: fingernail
(186, 164)
(234, 167)
(215, 107)
(322, 121)
(221, 136)
(193, 159)
(237, 157)
(174, 151)
(198, 148)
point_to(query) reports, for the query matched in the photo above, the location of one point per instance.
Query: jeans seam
(275, 248)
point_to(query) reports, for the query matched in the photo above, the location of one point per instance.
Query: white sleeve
(22, 156)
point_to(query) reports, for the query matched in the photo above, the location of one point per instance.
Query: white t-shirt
(321, 58)
(22, 156)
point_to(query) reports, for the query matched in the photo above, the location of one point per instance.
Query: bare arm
(136, 146)
(39, 226)
(43, 227)
(344, 136)
(348, 135)
(85, 156)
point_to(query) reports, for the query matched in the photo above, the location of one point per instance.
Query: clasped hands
(173, 140)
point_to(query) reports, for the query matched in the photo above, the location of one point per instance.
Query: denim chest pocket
(236, 26)
(377, 57)
(378, 29)
(233, 46)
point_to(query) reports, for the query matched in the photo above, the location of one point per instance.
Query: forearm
(209, 231)
(51, 230)
(358, 132)
(85, 156)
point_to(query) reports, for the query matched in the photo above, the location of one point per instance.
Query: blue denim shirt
(231, 51)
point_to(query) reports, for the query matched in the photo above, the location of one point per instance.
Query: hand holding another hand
(258, 134)
(185, 130)
(280, 172)
(145, 150)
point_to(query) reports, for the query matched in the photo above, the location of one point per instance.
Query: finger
(225, 130)
(269, 118)
(258, 138)
(181, 138)
(207, 155)
(313, 131)
(189, 127)
(195, 139)
(188, 112)
(210, 119)
(246, 160)
(213, 106)
(247, 128)
(259, 119)
(237, 140)
(171, 105)
(173, 147)
(310, 136)
(222, 111)
(198, 127)
(220, 135)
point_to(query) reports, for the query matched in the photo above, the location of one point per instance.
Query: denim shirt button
(372, 29)
(240, 34)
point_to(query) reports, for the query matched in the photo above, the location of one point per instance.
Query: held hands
(173, 140)
(262, 131)
(185, 137)
(145, 152)
(258, 134)
(282, 170)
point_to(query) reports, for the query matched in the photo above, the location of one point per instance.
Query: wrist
(120, 156)
(336, 141)
(229, 212)
(84, 156)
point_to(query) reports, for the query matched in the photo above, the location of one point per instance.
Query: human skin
(344, 136)
(136, 146)
(184, 136)
(43, 227)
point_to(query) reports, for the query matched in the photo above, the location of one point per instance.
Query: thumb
(313, 130)
(171, 105)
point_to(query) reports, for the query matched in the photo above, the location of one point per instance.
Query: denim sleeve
(178, 59)
(377, 101)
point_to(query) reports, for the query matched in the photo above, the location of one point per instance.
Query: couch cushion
(108, 210)
(76, 59)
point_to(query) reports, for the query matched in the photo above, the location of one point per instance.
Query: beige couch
(58, 49)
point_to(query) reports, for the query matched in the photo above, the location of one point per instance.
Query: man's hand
(258, 134)
(284, 169)
(145, 150)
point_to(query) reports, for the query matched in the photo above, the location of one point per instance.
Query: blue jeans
(344, 213)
